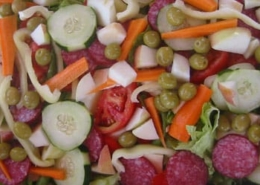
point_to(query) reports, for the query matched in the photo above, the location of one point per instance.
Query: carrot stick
(205, 5)
(8, 25)
(54, 173)
(201, 30)
(103, 86)
(149, 103)
(135, 28)
(189, 114)
(68, 75)
(5, 170)
(148, 74)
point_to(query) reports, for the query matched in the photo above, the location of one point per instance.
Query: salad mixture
(131, 92)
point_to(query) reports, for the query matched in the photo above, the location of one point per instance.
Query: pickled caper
(198, 61)
(158, 104)
(22, 130)
(152, 39)
(164, 56)
(127, 139)
(4, 150)
(257, 54)
(253, 133)
(175, 16)
(224, 124)
(201, 45)
(112, 51)
(18, 154)
(31, 99)
(33, 22)
(240, 122)
(167, 81)
(43, 56)
(169, 99)
(187, 91)
(12, 96)
(18, 5)
(6, 9)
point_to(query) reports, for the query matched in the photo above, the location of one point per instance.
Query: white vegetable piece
(228, 91)
(146, 131)
(112, 33)
(234, 40)
(105, 10)
(40, 35)
(140, 115)
(39, 138)
(145, 57)
(131, 11)
(46, 2)
(233, 4)
(122, 73)
(51, 152)
(251, 3)
(181, 68)
(254, 43)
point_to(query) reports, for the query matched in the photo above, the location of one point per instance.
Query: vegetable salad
(129, 92)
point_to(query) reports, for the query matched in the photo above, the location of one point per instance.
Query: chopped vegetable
(189, 114)
(55, 173)
(149, 74)
(5, 170)
(205, 5)
(201, 30)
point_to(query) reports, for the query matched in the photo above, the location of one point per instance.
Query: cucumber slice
(73, 27)
(66, 124)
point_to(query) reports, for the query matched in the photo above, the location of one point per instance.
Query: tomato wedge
(114, 108)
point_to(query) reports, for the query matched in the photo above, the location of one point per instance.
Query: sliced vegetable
(56, 173)
(205, 5)
(201, 30)
(152, 74)
(4, 170)
(189, 114)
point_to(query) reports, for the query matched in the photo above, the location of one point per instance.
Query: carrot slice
(205, 5)
(8, 25)
(56, 173)
(135, 28)
(106, 84)
(201, 30)
(149, 103)
(148, 74)
(68, 75)
(5, 170)
(189, 114)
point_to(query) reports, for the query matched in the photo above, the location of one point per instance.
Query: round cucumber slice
(66, 124)
(73, 27)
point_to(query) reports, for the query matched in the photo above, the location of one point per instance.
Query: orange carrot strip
(6, 1)
(205, 5)
(149, 103)
(103, 86)
(5, 170)
(148, 74)
(55, 173)
(201, 30)
(68, 75)
(8, 25)
(135, 28)
(189, 114)
(29, 4)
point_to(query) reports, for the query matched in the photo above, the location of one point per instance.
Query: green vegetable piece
(43, 56)
(169, 99)
(127, 139)
(241, 122)
(187, 91)
(112, 51)
(6, 9)
(22, 130)
(253, 133)
(167, 81)
(4, 150)
(201, 45)
(198, 61)
(31, 99)
(18, 154)
(175, 16)
(164, 56)
(12, 96)
(159, 106)
(224, 124)
(18, 5)
(152, 39)
(33, 22)
(257, 54)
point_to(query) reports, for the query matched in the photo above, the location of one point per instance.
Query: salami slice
(18, 171)
(154, 10)
(186, 168)
(137, 171)
(235, 156)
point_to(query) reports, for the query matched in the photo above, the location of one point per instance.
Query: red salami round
(137, 171)
(235, 156)
(18, 171)
(186, 168)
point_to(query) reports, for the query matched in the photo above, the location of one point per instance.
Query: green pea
(257, 54)
(253, 133)
(4, 150)
(167, 81)
(112, 51)
(187, 91)
(127, 139)
(6, 9)
(18, 5)
(43, 56)
(224, 124)
(18, 154)
(158, 104)
(22, 130)
(31, 99)
(12, 96)
(175, 16)
(152, 39)
(169, 99)
(198, 61)
(240, 122)
(164, 56)
(33, 22)
(201, 45)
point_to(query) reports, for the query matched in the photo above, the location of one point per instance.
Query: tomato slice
(114, 108)
(217, 62)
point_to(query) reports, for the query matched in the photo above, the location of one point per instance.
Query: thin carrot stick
(135, 28)
(201, 30)
(56, 173)
(5, 170)
(189, 114)
(68, 75)
(148, 74)
(8, 25)
(106, 84)
(205, 5)
(149, 103)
